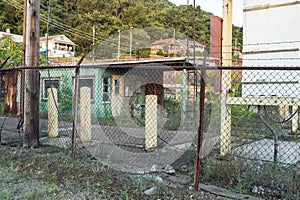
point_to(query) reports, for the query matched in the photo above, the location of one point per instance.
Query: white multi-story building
(58, 46)
(271, 38)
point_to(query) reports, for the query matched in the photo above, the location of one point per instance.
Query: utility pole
(119, 45)
(137, 49)
(32, 83)
(130, 45)
(174, 33)
(47, 34)
(23, 60)
(188, 24)
(194, 35)
(94, 31)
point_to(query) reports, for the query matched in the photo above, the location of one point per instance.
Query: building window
(49, 83)
(86, 81)
(117, 86)
(106, 89)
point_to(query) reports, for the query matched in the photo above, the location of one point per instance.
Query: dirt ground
(50, 172)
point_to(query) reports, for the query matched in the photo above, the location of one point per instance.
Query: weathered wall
(271, 29)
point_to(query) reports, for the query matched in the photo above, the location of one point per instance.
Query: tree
(12, 50)
(75, 19)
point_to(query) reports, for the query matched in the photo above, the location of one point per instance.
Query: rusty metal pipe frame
(200, 127)
(272, 131)
(75, 102)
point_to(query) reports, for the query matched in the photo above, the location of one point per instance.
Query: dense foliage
(12, 51)
(76, 19)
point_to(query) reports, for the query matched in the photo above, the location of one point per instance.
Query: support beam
(283, 110)
(264, 101)
(272, 101)
(226, 76)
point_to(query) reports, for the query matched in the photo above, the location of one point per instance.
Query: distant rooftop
(15, 37)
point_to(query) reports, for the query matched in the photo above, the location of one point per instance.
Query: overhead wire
(259, 43)
(89, 36)
(60, 25)
(68, 29)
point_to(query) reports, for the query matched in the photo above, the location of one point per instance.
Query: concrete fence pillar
(151, 122)
(225, 138)
(85, 114)
(52, 113)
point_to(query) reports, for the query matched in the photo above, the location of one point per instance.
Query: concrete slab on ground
(288, 151)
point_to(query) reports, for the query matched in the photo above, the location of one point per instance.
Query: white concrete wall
(269, 26)
(280, 24)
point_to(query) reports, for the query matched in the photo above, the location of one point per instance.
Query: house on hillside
(189, 45)
(271, 38)
(58, 46)
(168, 46)
(177, 47)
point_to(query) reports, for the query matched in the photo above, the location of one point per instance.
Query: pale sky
(215, 7)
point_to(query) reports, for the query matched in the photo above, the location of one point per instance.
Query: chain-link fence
(144, 117)
(137, 118)
(253, 121)
(55, 106)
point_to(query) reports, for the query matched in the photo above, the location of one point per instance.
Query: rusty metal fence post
(74, 132)
(200, 125)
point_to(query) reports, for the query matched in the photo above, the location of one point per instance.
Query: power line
(66, 28)
(88, 36)
(57, 24)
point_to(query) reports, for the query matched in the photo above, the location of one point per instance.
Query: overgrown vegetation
(65, 98)
(267, 180)
(173, 109)
(253, 175)
(50, 172)
(11, 50)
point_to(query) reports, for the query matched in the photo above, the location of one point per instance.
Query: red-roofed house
(169, 45)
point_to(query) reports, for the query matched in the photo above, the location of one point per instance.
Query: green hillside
(76, 18)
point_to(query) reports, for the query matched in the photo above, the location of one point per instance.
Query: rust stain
(11, 106)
